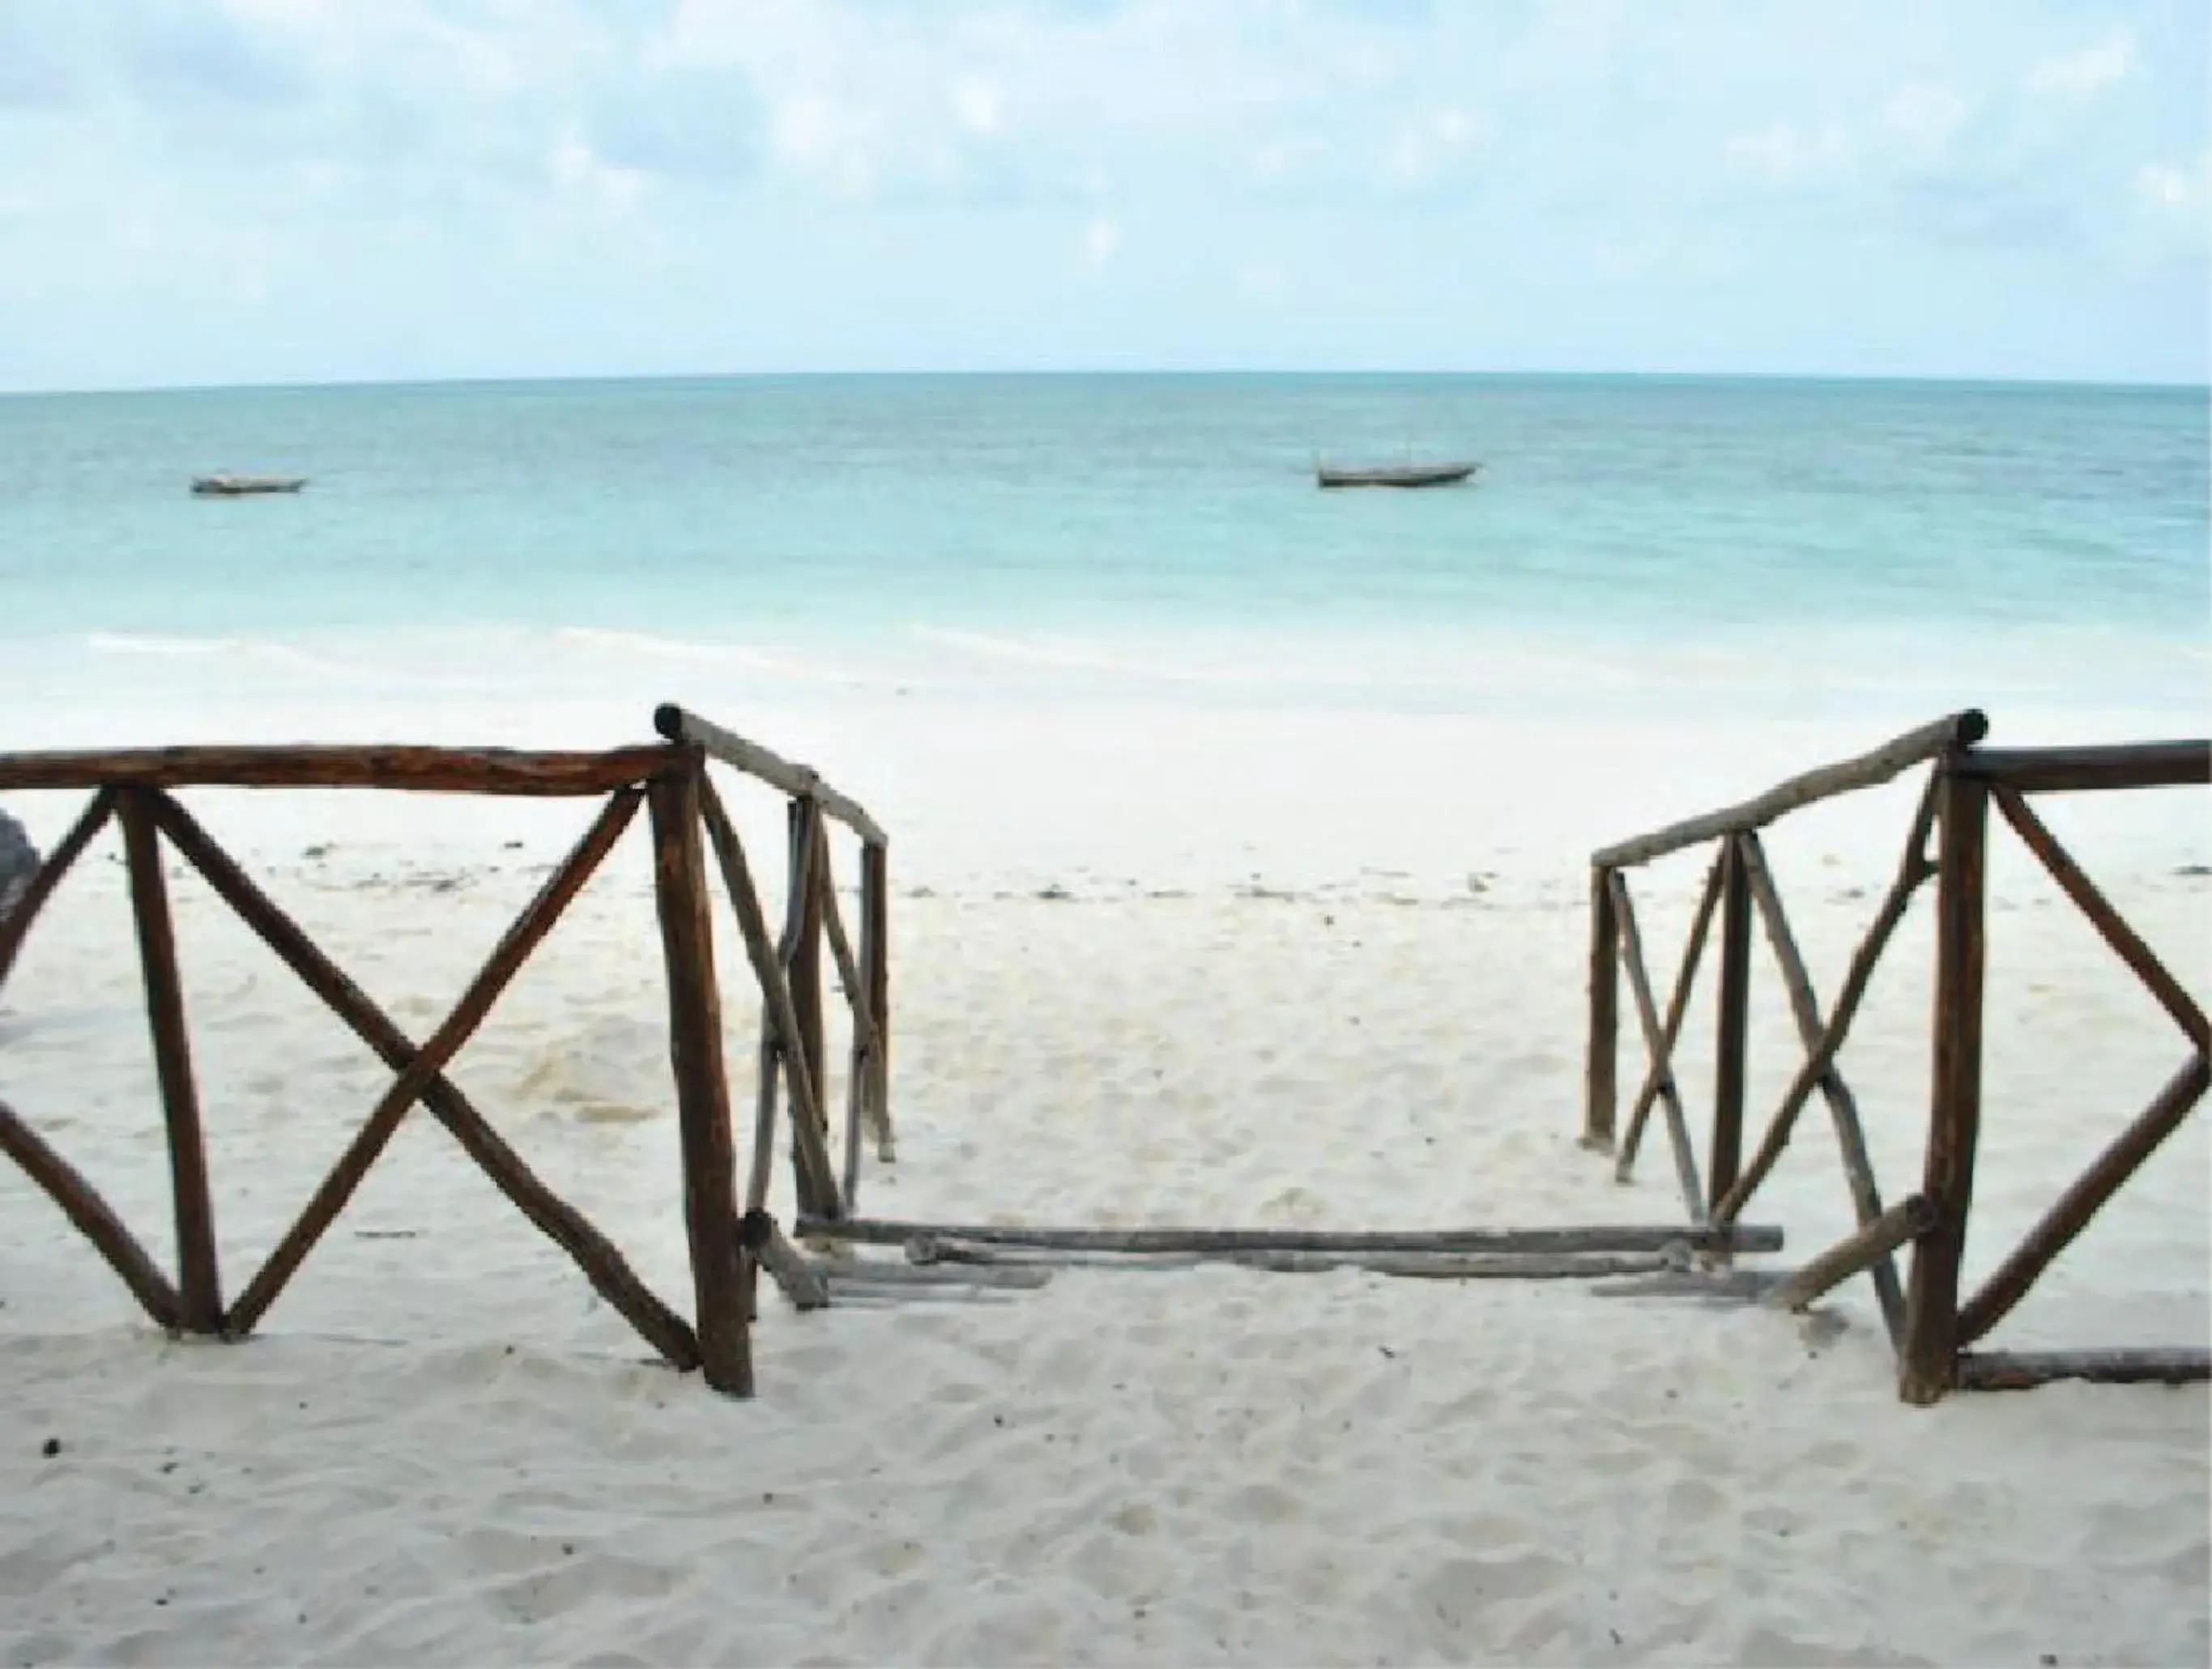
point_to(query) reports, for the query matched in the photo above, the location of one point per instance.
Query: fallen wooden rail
(867, 1231)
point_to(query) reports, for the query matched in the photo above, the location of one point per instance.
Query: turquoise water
(2045, 540)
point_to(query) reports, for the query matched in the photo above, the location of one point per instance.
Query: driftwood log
(780, 1020)
(1868, 1248)
(430, 770)
(1661, 1068)
(934, 1250)
(2067, 770)
(721, 1289)
(1699, 1237)
(94, 1218)
(799, 1276)
(2083, 1200)
(1892, 759)
(1657, 1043)
(1601, 1061)
(2023, 1370)
(199, 1286)
(1929, 1348)
(799, 781)
(429, 1062)
(1725, 1157)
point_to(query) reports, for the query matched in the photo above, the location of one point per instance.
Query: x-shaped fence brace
(681, 799)
(1740, 880)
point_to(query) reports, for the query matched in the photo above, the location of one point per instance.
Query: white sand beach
(1206, 968)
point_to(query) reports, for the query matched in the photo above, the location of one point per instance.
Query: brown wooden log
(778, 1020)
(1914, 869)
(1812, 1031)
(2023, 1370)
(719, 1285)
(2108, 921)
(2067, 770)
(1654, 1040)
(1699, 1237)
(1891, 759)
(1414, 1266)
(15, 924)
(1929, 1352)
(1601, 1067)
(1661, 1069)
(425, 770)
(860, 1275)
(876, 968)
(427, 1062)
(2083, 1200)
(1868, 1248)
(610, 1274)
(802, 971)
(789, 1267)
(799, 781)
(1735, 1030)
(199, 1284)
(94, 1218)
(856, 1000)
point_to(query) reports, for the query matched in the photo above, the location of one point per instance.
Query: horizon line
(1009, 373)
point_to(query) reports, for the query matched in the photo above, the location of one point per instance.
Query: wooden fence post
(1601, 1069)
(1929, 1354)
(199, 1287)
(1734, 1015)
(876, 970)
(702, 1091)
(810, 852)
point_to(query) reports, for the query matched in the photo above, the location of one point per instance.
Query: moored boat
(1396, 475)
(231, 486)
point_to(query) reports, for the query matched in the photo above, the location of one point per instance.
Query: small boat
(231, 486)
(1397, 474)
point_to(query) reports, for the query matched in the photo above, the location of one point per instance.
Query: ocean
(1630, 544)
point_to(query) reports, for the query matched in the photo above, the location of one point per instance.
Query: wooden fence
(670, 780)
(1931, 1329)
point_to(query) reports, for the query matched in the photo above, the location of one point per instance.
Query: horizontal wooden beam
(874, 1231)
(1958, 730)
(800, 781)
(2118, 765)
(2023, 1370)
(501, 771)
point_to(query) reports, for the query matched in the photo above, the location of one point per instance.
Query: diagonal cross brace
(1660, 1047)
(601, 1262)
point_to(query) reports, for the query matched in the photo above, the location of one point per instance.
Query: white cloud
(977, 105)
(575, 167)
(1424, 146)
(1102, 241)
(2086, 73)
(2180, 189)
(1925, 120)
(1787, 152)
(818, 135)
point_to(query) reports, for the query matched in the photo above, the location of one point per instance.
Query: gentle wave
(774, 664)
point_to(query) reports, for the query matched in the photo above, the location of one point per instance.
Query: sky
(278, 190)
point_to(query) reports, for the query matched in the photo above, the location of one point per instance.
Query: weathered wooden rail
(671, 781)
(1931, 1329)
